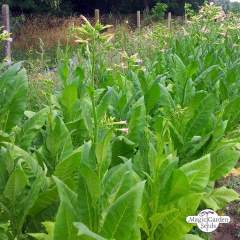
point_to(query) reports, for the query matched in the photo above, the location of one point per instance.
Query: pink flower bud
(123, 130)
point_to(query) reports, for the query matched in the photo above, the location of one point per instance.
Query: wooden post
(169, 20)
(138, 20)
(97, 15)
(185, 19)
(6, 27)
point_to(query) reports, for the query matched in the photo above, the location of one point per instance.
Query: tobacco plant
(125, 151)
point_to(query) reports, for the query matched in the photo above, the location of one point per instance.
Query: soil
(230, 231)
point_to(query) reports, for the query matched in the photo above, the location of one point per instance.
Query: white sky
(234, 0)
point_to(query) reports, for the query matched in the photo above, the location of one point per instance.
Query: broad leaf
(199, 124)
(16, 184)
(173, 225)
(198, 173)
(103, 150)
(220, 197)
(223, 161)
(176, 187)
(84, 230)
(192, 237)
(67, 213)
(137, 121)
(58, 140)
(104, 103)
(49, 226)
(31, 128)
(232, 113)
(121, 217)
(13, 96)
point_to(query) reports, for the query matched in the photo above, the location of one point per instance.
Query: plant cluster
(189, 12)
(235, 7)
(159, 10)
(128, 145)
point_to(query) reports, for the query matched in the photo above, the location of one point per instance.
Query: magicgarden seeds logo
(208, 220)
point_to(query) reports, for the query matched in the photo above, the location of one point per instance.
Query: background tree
(87, 6)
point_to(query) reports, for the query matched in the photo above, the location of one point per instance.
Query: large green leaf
(31, 128)
(137, 121)
(92, 181)
(220, 197)
(86, 211)
(152, 96)
(173, 224)
(16, 184)
(67, 213)
(121, 217)
(198, 173)
(68, 98)
(13, 96)
(192, 237)
(113, 178)
(84, 230)
(203, 76)
(3, 172)
(117, 181)
(49, 226)
(103, 150)
(232, 113)
(223, 161)
(44, 200)
(199, 124)
(158, 218)
(30, 164)
(23, 187)
(67, 171)
(183, 84)
(58, 140)
(158, 95)
(88, 187)
(176, 187)
(122, 147)
(104, 103)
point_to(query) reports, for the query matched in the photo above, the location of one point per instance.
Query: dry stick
(6, 27)
(138, 20)
(97, 15)
(169, 20)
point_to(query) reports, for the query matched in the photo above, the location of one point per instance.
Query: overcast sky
(234, 0)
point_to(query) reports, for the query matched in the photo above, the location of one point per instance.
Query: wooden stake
(97, 15)
(6, 27)
(169, 20)
(138, 20)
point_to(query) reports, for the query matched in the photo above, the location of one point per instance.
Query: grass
(36, 34)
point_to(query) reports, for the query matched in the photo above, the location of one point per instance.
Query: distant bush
(158, 11)
(188, 9)
(235, 7)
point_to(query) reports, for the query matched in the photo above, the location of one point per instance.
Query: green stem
(94, 118)
(93, 92)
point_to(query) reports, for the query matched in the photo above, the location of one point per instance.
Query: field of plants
(125, 136)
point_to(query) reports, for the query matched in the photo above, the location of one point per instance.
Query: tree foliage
(87, 6)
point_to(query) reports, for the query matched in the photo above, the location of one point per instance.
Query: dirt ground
(230, 231)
